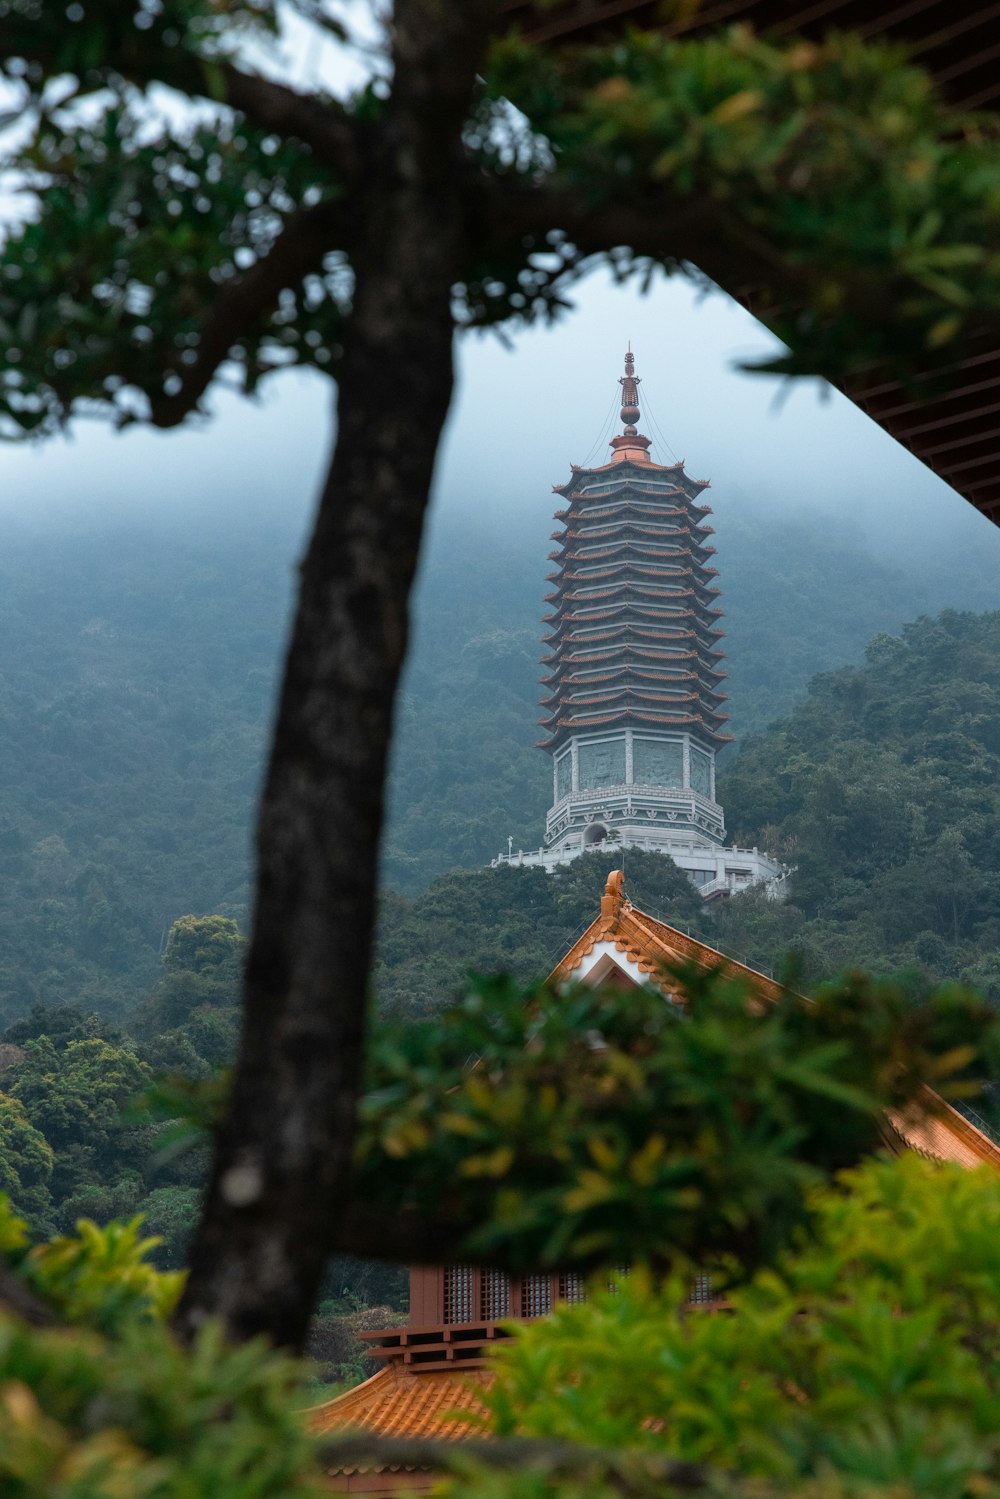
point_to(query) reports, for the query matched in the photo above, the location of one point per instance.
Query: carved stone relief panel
(602, 764)
(657, 762)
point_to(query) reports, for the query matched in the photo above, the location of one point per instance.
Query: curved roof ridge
(937, 1130)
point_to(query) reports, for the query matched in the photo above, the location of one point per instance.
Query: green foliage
(203, 945)
(866, 1363)
(183, 638)
(75, 1098)
(601, 1127)
(465, 773)
(335, 1345)
(104, 294)
(26, 1161)
(112, 1406)
(61, 1024)
(841, 162)
(881, 205)
(91, 1418)
(101, 1277)
(189, 1022)
(137, 666)
(837, 154)
(13, 1229)
(171, 1214)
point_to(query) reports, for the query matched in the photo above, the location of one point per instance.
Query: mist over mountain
(137, 667)
(138, 659)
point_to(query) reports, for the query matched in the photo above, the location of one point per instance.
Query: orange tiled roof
(941, 1133)
(398, 1403)
(650, 945)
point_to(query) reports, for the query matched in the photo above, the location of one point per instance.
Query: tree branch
(325, 126)
(511, 216)
(626, 1472)
(308, 235)
(510, 213)
(333, 135)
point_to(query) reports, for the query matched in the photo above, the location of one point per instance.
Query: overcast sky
(520, 418)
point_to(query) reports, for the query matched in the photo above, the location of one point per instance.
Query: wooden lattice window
(494, 1295)
(572, 1288)
(701, 1290)
(458, 1294)
(536, 1295)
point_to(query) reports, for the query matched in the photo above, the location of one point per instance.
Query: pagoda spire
(630, 383)
(630, 445)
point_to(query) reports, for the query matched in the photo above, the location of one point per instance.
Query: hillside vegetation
(883, 788)
(136, 673)
(800, 596)
(133, 701)
(138, 659)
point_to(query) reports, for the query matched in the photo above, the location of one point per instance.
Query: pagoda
(634, 712)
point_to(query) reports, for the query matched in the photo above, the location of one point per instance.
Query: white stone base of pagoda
(664, 813)
(715, 871)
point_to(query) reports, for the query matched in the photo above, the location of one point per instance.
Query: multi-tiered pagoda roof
(633, 630)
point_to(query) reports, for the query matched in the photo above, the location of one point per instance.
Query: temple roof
(446, 1404)
(645, 947)
(641, 947)
(943, 1134)
(399, 1403)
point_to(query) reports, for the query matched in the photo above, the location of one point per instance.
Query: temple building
(436, 1368)
(634, 713)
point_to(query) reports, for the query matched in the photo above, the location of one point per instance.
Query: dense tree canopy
(511, 920)
(86, 1133)
(861, 1359)
(26, 1161)
(137, 667)
(882, 789)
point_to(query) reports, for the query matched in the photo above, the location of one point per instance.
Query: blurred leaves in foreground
(540, 1128)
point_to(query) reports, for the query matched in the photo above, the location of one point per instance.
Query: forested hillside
(513, 919)
(137, 666)
(136, 673)
(87, 1130)
(883, 788)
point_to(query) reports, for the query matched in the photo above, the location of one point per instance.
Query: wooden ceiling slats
(973, 448)
(966, 421)
(958, 29)
(948, 470)
(990, 354)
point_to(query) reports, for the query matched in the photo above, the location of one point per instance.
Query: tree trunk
(281, 1174)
